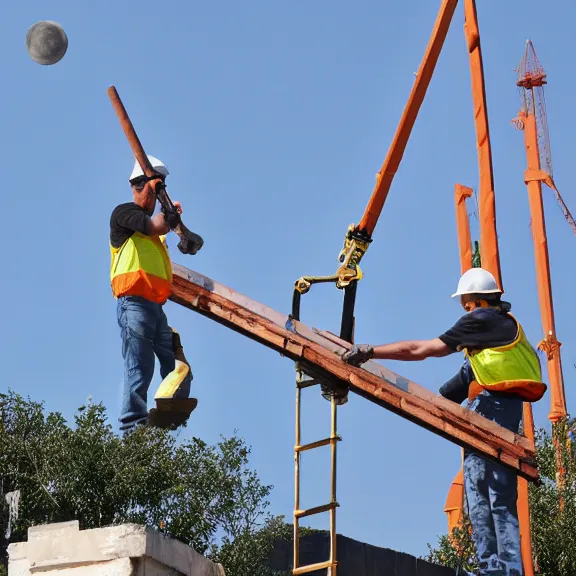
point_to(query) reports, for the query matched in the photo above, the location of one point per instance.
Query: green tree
(476, 259)
(205, 496)
(552, 511)
(249, 552)
(457, 551)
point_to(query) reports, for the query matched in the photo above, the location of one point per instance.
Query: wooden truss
(318, 353)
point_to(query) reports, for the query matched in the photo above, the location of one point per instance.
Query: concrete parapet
(124, 550)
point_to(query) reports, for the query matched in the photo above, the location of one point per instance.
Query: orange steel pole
(550, 344)
(489, 252)
(455, 500)
(487, 204)
(523, 502)
(398, 146)
(461, 193)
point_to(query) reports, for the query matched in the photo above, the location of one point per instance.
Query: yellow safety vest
(141, 267)
(513, 368)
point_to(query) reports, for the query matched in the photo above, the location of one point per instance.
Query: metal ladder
(305, 381)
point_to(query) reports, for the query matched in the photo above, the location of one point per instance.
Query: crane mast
(533, 121)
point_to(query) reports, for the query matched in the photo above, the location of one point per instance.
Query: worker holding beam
(501, 370)
(141, 279)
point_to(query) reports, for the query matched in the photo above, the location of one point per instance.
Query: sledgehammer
(190, 242)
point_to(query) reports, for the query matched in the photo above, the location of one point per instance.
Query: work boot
(173, 406)
(183, 405)
(167, 420)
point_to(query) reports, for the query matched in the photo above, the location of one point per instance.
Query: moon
(46, 42)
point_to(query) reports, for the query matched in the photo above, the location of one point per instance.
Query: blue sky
(273, 119)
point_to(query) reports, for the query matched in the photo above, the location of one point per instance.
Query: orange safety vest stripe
(527, 390)
(141, 284)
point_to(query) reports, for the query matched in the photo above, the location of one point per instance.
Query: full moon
(46, 42)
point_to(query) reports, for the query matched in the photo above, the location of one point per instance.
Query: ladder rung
(316, 510)
(317, 444)
(313, 567)
(305, 382)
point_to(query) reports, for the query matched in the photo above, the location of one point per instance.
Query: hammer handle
(130, 133)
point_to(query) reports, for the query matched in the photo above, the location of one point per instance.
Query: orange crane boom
(398, 146)
(358, 237)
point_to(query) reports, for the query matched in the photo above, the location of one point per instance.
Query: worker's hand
(155, 183)
(178, 206)
(358, 354)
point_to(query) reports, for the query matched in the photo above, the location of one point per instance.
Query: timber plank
(319, 354)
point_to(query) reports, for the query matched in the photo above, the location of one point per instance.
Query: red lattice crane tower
(531, 81)
(533, 121)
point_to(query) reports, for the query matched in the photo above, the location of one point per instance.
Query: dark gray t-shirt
(125, 220)
(476, 330)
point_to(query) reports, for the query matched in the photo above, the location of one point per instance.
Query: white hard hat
(158, 165)
(477, 281)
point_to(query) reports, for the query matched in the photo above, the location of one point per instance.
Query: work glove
(358, 354)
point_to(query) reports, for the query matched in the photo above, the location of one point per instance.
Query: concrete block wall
(124, 550)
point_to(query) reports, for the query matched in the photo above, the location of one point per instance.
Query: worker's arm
(157, 225)
(129, 217)
(412, 350)
(408, 350)
(462, 335)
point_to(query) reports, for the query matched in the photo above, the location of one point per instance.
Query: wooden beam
(319, 354)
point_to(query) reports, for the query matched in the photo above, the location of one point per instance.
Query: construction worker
(141, 279)
(501, 370)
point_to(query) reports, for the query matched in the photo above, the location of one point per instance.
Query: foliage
(476, 259)
(552, 511)
(249, 552)
(553, 503)
(456, 551)
(205, 496)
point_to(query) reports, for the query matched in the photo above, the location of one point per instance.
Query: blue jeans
(145, 334)
(491, 493)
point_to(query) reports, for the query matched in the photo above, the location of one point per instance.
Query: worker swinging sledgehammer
(141, 279)
(501, 370)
